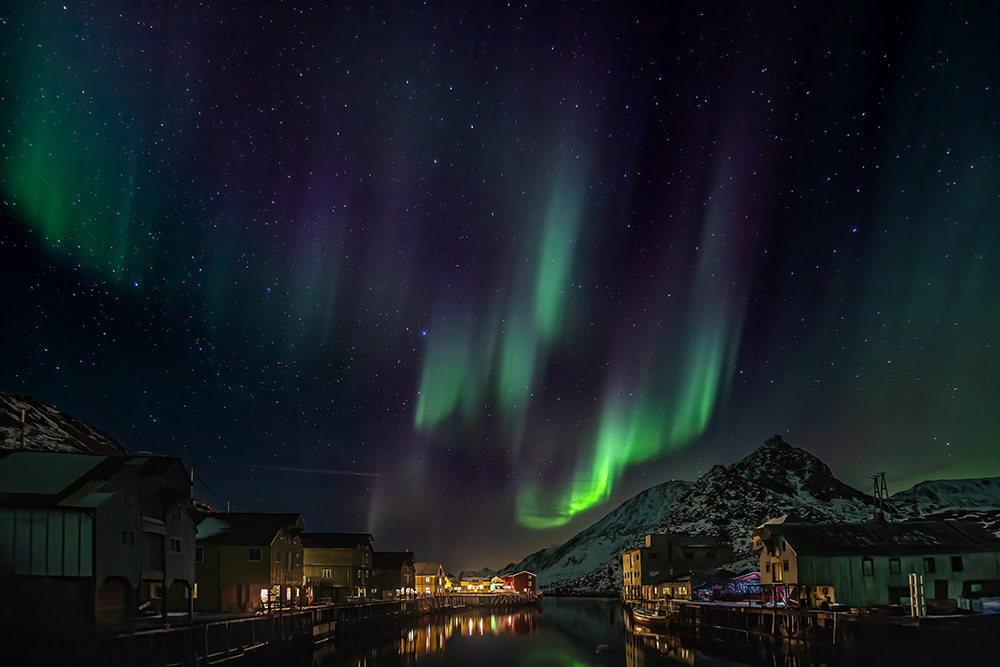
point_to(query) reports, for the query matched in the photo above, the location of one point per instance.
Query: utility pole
(880, 497)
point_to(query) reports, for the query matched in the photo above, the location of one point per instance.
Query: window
(710, 554)
(784, 565)
(776, 572)
(128, 538)
(277, 555)
(199, 554)
(175, 545)
(327, 573)
(867, 567)
(929, 565)
(956, 564)
(253, 554)
(688, 555)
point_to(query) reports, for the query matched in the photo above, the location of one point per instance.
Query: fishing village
(880, 590)
(112, 555)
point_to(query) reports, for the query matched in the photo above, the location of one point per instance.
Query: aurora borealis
(468, 275)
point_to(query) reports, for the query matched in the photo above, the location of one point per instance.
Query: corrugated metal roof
(884, 539)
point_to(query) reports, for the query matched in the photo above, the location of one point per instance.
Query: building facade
(430, 578)
(871, 563)
(662, 567)
(521, 582)
(393, 575)
(338, 566)
(80, 536)
(247, 560)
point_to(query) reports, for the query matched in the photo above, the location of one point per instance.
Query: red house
(522, 582)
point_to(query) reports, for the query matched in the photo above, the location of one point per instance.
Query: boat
(650, 617)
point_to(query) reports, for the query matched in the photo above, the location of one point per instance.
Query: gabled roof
(882, 538)
(392, 560)
(336, 540)
(428, 569)
(50, 479)
(247, 528)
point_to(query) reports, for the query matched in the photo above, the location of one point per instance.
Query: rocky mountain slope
(728, 502)
(604, 541)
(48, 429)
(968, 499)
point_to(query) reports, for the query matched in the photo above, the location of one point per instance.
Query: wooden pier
(857, 633)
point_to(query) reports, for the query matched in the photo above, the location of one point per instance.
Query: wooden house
(393, 575)
(475, 582)
(521, 582)
(864, 564)
(661, 568)
(246, 560)
(430, 578)
(338, 566)
(82, 535)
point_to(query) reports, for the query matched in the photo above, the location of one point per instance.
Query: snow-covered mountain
(967, 499)
(48, 429)
(728, 502)
(591, 549)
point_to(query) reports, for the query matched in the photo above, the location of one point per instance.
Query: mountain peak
(780, 467)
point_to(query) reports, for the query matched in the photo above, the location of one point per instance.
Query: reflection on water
(570, 633)
(574, 632)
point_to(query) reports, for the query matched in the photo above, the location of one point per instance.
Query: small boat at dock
(657, 618)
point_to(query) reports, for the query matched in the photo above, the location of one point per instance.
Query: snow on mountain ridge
(591, 548)
(726, 502)
(947, 494)
(47, 429)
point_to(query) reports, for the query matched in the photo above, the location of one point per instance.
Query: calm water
(575, 632)
(568, 632)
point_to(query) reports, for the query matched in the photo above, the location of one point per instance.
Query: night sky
(467, 275)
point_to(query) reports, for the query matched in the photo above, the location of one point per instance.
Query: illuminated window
(327, 573)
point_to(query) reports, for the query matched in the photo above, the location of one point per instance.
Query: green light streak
(451, 380)
(68, 165)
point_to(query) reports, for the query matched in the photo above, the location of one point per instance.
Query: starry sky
(467, 275)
